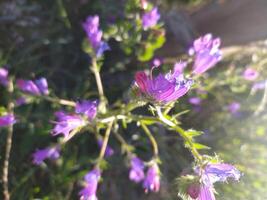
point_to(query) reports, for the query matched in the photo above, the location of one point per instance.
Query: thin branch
(6, 193)
(151, 138)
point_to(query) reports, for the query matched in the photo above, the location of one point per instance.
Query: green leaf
(193, 133)
(200, 146)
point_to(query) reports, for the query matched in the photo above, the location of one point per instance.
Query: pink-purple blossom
(36, 87)
(3, 76)
(66, 123)
(7, 120)
(250, 74)
(48, 153)
(212, 173)
(152, 179)
(163, 88)
(94, 35)
(91, 183)
(233, 107)
(195, 101)
(109, 151)
(150, 18)
(207, 53)
(88, 108)
(136, 173)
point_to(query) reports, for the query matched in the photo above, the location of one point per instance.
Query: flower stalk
(6, 194)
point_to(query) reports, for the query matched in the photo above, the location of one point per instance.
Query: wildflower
(94, 35)
(207, 53)
(109, 151)
(88, 108)
(234, 107)
(152, 179)
(195, 101)
(211, 174)
(250, 74)
(90, 189)
(137, 170)
(179, 67)
(42, 86)
(66, 123)
(3, 76)
(150, 18)
(259, 86)
(163, 88)
(7, 120)
(48, 153)
(37, 87)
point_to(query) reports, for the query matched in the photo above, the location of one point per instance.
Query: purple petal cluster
(88, 108)
(36, 87)
(137, 170)
(259, 85)
(211, 174)
(66, 123)
(3, 76)
(94, 35)
(150, 18)
(250, 74)
(152, 179)
(234, 107)
(207, 53)
(163, 88)
(195, 101)
(90, 189)
(48, 153)
(109, 151)
(7, 120)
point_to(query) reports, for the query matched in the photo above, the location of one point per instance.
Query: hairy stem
(105, 142)
(151, 138)
(182, 133)
(102, 98)
(6, 193)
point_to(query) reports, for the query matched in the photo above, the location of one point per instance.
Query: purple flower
(109, 151)
(90, 189)
(219, 172)
(234, 107)
(207, 53)
(211, 174)
(37, 87)
(94, 35)
(42, 86)
(7, 120)
(137, 170)
(179, 67)
(152, 179)
(195, 101)
(40, 155)
(88, 108)
(66, 123)
(150, 18)
(259, 85)
(162, 89)
(3, 76)
(250, 74)
(206, 193)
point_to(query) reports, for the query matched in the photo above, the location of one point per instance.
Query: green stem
(6, 193)
(105, 143)
(151, 138)
(102, 98)
(182, 133)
